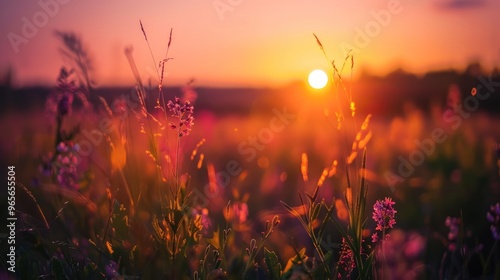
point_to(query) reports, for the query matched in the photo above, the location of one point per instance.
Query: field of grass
(304, 186)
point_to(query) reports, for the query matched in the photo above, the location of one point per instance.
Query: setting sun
(318, 79)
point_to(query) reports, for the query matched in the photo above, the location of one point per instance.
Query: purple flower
(493, 217)
(454, 225)
(383, 215)
(183, 114)
(346, 261)
(65, 165)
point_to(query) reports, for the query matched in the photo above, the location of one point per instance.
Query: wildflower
(383, 215)
(184, 114)
(493, 217)
(453, 224)
(65, 165)
(346, 261)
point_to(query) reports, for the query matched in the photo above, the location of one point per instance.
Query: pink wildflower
(183, 113)
(383, 215)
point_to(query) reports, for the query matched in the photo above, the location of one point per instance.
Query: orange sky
(250, 43)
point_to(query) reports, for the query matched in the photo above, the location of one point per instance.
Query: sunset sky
(248, 43)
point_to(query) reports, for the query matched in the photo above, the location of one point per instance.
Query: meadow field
(287, 140)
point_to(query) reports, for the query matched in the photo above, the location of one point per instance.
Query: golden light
(318, 79)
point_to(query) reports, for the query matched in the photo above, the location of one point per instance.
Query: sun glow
(318, 79)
